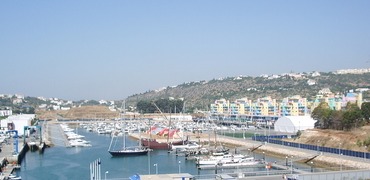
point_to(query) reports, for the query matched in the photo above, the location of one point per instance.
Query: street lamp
(105, 175)
(291, 165)
(311, 166)
(179, 167)
(156, 168)
(365, 153)
(341, 162)
(318, 141)
(286, 161)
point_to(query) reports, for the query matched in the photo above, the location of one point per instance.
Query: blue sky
(97, 49)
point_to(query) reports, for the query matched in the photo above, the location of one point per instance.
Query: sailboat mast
(124, 139)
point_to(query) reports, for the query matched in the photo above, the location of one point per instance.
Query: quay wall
(22, 153)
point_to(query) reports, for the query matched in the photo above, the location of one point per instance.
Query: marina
(64, 161)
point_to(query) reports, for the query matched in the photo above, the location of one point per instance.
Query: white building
(311, 82)
(315, 74)
(65, 108)
(17, 122)
(6, 112)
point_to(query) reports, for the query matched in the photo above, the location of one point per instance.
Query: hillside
(201, 94)
(351, 140)
(84, 112)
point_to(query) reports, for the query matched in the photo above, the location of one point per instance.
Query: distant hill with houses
(200, 94)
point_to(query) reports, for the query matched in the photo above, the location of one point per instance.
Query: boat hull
(128, 153)
(154, 144)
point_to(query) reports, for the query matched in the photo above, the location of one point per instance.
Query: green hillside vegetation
(199, 95)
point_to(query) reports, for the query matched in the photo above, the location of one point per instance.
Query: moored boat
(154, 144)
(12, 176)
(246, 161)
(130, 151)
(189, 145)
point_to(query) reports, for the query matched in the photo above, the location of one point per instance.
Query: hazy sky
(96, 49)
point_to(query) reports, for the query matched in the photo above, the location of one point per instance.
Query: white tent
(292, 124)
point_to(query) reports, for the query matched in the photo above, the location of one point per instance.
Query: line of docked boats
(74, 139)
(228, 160)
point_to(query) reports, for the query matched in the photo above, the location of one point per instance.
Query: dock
(229, 167)
(9, 159)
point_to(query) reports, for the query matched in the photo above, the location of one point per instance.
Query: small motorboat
(14, 177)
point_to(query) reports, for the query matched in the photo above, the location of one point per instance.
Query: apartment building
(266, 106)
(337, 102)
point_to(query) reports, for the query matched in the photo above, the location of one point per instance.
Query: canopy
(292, 124)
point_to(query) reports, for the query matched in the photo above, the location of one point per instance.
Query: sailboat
(127, 150)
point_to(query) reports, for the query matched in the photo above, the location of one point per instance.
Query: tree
(336, 120)
(352, 117)
(365, 108)
(165, 105)
(322, 114)
(145, 107)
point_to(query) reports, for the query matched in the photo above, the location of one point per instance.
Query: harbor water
(61, 162)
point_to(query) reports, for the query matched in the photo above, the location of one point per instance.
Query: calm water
(60, 162)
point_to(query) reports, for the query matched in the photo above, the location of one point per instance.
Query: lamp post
(311, 166)
(286, 161)
(341, 162)
(105, 175)
(318, 141)
(365, 153)
(156, 168)
(179, 167)
(291, 165)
